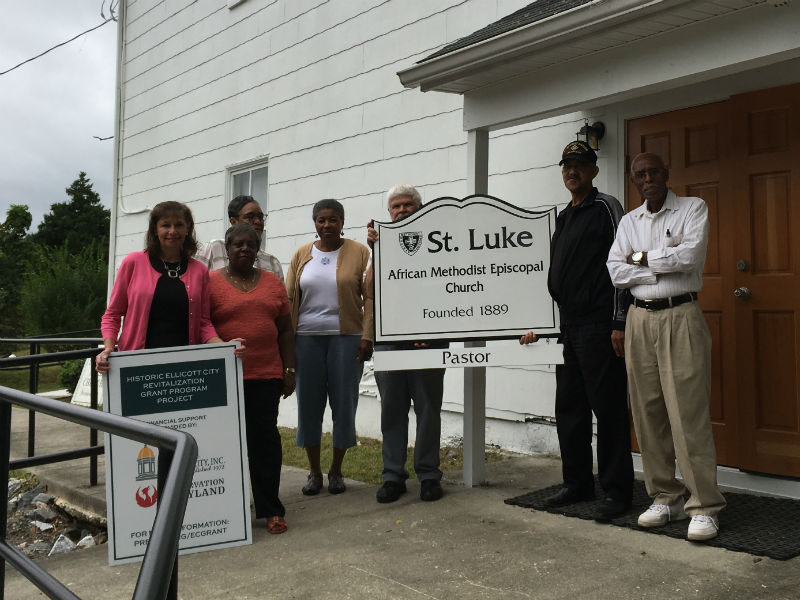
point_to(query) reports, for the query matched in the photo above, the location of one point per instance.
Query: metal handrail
(47, 357)
(158, 576)
(33, 362)
(51, 340)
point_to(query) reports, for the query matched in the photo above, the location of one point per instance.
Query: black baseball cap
(578, 150)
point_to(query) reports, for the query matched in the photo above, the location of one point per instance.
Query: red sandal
(276, 525)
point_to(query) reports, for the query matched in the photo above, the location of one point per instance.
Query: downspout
(115, 197)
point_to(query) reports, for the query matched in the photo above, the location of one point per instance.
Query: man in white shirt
(242, 209)
(658, 253)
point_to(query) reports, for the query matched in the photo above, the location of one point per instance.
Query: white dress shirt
(675, 239)
(213, 255)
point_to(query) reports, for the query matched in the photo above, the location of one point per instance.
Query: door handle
(742, 293)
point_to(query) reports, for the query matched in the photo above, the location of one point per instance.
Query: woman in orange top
(252, 303)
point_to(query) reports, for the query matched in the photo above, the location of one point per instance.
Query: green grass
(364, 463)
(18, 378)
(24, 476)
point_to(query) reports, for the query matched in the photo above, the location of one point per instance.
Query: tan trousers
(668, 359)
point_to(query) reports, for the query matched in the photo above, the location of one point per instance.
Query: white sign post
(197, 389)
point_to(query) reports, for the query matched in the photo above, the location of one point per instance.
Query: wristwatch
(289, 370)
(637, 258)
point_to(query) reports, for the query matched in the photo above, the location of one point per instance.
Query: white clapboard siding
(236, 55)
(312, 86)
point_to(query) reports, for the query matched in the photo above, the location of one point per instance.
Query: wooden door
(765, 169)
(739, 156)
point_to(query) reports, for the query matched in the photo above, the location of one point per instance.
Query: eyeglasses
(251, 217)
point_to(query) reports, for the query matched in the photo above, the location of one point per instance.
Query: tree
(15, 247)
(18, 221)
(78, 223)
(63, 290)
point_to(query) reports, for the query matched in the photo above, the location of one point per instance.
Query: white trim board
(735, 480)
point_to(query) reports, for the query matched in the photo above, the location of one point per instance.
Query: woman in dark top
(162, 292)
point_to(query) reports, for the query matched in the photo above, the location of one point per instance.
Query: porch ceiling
(575, 33)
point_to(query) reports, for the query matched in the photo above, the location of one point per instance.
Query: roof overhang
(578, 32)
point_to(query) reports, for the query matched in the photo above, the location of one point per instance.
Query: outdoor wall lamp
(592, 134)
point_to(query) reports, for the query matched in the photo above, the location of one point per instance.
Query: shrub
(70, 374)
(63, 291)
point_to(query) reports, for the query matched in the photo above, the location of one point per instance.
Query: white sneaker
(703, 527)
(660, 514)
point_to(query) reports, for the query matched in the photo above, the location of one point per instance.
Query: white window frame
(231, 171)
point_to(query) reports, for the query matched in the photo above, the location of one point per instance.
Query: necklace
(173, 273)
(244, 285)
(319, 245)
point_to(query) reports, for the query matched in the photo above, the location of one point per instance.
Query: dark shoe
(390, 491)
(430, 490)
(609, 508)
(568, 496)
(336, 483)
(313, 485)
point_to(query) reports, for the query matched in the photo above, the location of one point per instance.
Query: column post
(475, 377)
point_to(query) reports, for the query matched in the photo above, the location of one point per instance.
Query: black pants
(261, 400)
(593, 379)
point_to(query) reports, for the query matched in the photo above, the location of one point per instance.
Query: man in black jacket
(592, 378)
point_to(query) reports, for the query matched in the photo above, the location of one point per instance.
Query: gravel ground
(37, 521)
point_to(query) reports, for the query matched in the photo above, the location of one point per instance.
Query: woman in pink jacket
(161, 294)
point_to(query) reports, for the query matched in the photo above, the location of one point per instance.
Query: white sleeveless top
(319, 297)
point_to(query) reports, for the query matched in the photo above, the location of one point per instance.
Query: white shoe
(703, 527)
(660, 514)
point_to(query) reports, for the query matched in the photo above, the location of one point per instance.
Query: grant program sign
(464, 269)
(196, 389)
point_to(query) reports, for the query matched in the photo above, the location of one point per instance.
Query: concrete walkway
(469, 545)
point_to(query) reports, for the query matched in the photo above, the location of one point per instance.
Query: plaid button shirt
(214, 256)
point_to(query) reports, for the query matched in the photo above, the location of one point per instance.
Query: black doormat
(757, 525)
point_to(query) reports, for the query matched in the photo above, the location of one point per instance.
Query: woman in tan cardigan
(332, 317)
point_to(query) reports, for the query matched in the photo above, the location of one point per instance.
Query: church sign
(464, 270)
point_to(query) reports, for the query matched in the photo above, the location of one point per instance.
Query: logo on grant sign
(146, 496)
(411, 241)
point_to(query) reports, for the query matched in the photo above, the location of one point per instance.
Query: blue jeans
(328, 369)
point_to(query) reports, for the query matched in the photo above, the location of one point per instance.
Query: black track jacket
(578, 279)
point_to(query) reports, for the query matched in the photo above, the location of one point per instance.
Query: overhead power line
(111, 18)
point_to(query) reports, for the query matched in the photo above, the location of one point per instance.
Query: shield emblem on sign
(411, 241)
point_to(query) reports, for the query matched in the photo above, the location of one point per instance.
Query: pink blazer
(132, 296)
